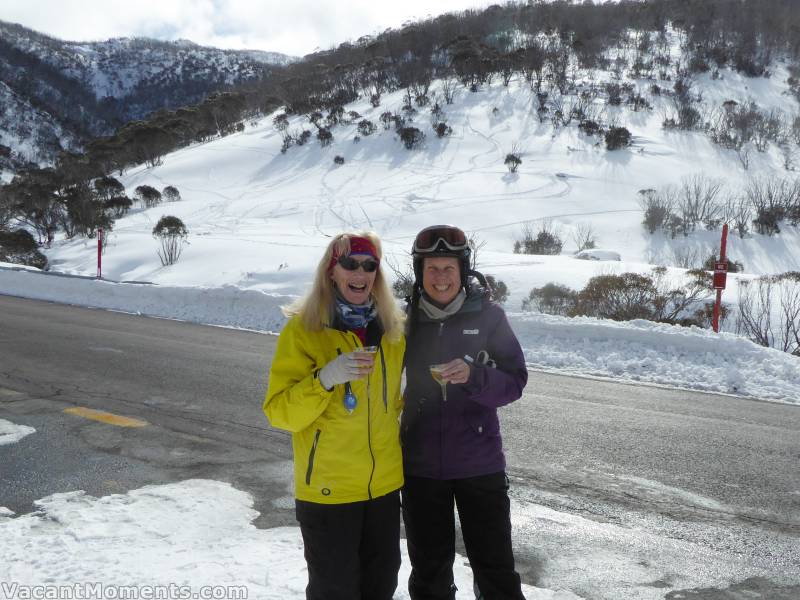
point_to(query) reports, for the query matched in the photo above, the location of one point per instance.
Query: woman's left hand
(456, 371)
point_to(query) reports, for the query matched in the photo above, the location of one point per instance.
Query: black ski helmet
(442, 240)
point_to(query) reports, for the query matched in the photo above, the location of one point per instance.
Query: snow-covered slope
(259, 219)
(54, 93)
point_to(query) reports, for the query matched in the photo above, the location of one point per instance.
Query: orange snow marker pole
(720, 276)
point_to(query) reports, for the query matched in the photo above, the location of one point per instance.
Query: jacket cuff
(316, 385)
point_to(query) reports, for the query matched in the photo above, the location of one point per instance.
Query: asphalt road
(643, 474)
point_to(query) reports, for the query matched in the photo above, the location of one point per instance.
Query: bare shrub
(735, 125)
(448, 88)
(544, 241)
(738, 213)
(772, 201)
(403, 284)
(653, 297)
(476, 244)
(697, 202)
(686, 258)
(769, 311)
(704, 316)
(584, 237)
(657, 206)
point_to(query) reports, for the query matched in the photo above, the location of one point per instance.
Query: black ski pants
(352, 550)
(484, 513)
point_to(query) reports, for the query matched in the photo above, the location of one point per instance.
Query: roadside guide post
(100, 253)
(720, 276)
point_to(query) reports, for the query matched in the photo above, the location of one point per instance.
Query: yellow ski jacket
(339, 456)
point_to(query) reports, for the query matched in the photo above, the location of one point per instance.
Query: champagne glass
(350, 401)
(436, 373)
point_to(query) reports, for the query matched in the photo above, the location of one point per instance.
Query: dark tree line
(476, 46)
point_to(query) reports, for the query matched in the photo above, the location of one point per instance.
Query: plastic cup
(436, 373)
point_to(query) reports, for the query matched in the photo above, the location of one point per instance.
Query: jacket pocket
(484, 423)
(311, 455)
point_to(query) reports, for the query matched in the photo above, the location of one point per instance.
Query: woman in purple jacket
(452, 449)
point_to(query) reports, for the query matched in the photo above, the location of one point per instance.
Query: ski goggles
(429, 239)
(348, 263)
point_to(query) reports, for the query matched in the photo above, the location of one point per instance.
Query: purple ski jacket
(459, 437)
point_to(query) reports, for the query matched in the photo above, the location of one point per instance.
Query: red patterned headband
(358, 245)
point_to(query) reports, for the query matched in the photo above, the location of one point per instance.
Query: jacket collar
(472, 303)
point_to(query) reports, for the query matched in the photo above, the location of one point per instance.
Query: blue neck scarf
(355, 316)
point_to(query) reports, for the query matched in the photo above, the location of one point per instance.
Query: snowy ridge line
(634, 351)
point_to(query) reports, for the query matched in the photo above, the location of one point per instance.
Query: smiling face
(441, 278)
(354, 286)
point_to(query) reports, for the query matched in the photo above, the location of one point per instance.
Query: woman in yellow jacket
(335, 384)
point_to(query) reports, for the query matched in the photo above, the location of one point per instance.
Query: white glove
(344, 368)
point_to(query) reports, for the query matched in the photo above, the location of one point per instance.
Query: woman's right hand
(346, 367)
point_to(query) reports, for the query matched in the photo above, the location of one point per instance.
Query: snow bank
(227, 305)
(643, 351)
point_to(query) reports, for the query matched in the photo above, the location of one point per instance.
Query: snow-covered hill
(54, 92)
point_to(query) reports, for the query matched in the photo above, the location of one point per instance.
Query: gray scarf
(440, 314)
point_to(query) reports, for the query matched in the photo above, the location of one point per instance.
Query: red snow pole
(720, 276)
(100, 253)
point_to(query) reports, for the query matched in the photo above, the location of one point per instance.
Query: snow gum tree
(171, 234)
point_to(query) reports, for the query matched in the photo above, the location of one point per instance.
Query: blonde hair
(316, 308)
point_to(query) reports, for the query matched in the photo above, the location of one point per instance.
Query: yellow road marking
(105, 417)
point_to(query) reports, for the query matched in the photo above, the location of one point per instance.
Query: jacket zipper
(311, 456)
(369, 431)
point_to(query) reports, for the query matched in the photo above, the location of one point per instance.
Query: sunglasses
(348, 263)
(430, 238)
